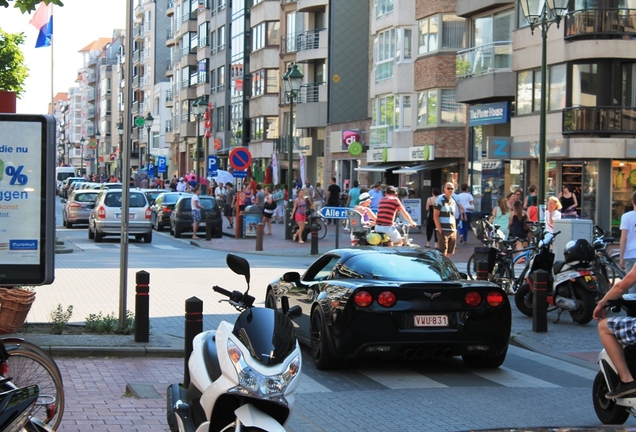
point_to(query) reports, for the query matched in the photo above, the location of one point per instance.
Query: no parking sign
(240, 158)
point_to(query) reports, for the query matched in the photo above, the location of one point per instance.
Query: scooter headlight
(253, 382)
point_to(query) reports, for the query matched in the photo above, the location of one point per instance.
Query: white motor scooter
(242, 375)
(615, 411)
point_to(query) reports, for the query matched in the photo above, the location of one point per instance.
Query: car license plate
(431, 320)
(130, 216)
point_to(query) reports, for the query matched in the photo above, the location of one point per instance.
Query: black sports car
(391, 302)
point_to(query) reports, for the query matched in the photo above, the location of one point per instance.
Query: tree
(28, 5)
(13, 71)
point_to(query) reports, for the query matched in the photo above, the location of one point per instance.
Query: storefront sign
(494, 113)
(499, 147)
(349, 137)
(423, 153)
(413, 206)
(381, 155)
(379, 137)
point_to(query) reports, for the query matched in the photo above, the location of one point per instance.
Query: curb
(532, 345)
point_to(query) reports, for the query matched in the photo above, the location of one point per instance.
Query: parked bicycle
(606, 265)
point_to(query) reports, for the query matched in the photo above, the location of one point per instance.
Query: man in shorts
(388, 208)
(445, 221)
(616, 333)
(196, 211)
(230, 202)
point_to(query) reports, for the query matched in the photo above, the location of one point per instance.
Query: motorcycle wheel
(607, 411)
(231, 428)
(588, 303)
(523, 300)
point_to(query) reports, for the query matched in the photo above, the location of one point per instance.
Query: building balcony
(467, 8)
(139, 10)
(90, 94)
(288, 45)
(312, 105)
(135, 81)
(170, 39)
(135, 107)
(169, 8)
(599, 120)
(169, 98)
(489, 58)
(311, 5)
(484, 73)
(145, 81)
(311, 45)
(187, 92)
(136, 56)
(90, 76)
(169, 67)
(600, 24)
(137, 31)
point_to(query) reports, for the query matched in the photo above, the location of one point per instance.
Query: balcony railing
(168, 126)
(202, 77)
(599, 120)
(308, 40)
(288, 45)
(187, 50)
(310, 92)
(492, 57)
(169, 96)
(169, 4)
(185, 83)
(168, 64)
(600, 22)
(169, 33)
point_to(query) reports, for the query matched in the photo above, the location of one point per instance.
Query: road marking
(510, 378)
(401, 379)
(166, 247)
(310, 385)
(88, 246)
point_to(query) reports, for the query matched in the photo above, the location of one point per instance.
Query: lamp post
(149, 121)
(199, 107)
(292, 80)
(541, 14)
(82, 141)
(97, 137)
(120, 132)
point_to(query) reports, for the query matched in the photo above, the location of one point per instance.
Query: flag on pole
(43, 21)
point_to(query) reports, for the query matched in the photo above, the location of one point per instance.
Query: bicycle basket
(14, 308)
(488, 254)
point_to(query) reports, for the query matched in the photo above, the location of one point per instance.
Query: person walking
(269, 206)
(299, 212)
(444, 217)
(552, 213)
(500, 216)
(318, 197)
(430, 221)
(627, 257)
(517, 225)
(279, 199)
(376, 196)
(230, 203)
(467, 202)
(353, 199)
(333, 197)
(196, 211)
(390, 206)
(569, 203)
(259, 198)
(182, 185)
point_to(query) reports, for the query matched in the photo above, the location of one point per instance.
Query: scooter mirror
(294, 312)
(239, 266)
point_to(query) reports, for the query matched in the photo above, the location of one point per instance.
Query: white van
(61, 174)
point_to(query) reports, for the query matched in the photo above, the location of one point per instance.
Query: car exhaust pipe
(567, 303)
(421, 354)
(438, 353)
(409, 354)
(448, 353)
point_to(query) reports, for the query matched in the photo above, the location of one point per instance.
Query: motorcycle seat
(558, 266)
(211, 356)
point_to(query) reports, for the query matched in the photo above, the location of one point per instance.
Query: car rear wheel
(177, 233)
(91, 234)
(607, 411)
(485, 362)
(158, 226)
(69, 224)
(323, 359)
(98, 237)
(148, 237)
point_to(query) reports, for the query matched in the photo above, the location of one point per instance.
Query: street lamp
(541, 14)
(97, 137)
(149, 121)
(120, 132)
(292, 81)
(199, 106)
(82, 141)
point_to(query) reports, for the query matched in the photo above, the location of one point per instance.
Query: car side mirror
(294, 312)
(291, 277)
(463, 275)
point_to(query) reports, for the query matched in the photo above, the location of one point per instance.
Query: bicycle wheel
(322, 227)
(470, 267)
(33, 347)
(504, 276)
(28, 367)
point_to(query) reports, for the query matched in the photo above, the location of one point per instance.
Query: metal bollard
(142, 305)
(208, 229)
(540, 301)
(481, 270)
(193, 326)
(314, 239)
(259, 236)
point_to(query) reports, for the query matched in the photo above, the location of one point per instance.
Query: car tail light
(494, 298)
(75, 205)
(101, 212)
(166, 209)
(362, 298)
(148, 213)
(387, 299)
(473, 299)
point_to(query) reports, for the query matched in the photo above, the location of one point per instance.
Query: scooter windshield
(268, 334)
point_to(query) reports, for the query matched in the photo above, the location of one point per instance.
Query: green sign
(140, 121)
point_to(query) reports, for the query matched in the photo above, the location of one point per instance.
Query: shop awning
(378, 167)
(426, 166)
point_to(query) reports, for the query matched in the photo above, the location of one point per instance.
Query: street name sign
(334, 212)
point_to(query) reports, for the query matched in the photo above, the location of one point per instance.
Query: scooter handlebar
(223, 291)
(234, 296)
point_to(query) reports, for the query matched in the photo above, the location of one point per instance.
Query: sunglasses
(450, 188)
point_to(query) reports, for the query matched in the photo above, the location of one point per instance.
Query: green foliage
(13, 71)
(60, 318)
(28, 5)
(108, 323)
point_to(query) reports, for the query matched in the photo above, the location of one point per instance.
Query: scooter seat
(211, 356)
(558, 266)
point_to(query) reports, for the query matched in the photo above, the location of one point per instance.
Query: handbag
(269, 206)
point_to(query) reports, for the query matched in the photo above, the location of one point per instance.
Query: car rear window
(113, 199)
(208, 203)
(137, 199)
(86, 197)
(420, 268)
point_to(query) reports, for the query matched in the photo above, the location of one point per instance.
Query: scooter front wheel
(607, 410)
(523, 300)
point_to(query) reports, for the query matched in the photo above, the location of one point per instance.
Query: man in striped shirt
(388, 208)
(445, 222)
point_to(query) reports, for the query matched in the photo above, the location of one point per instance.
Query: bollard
(314, 239)
(539, 301)
(259, 236)
(208, 230)
(481, 270)
(193, 326)
(142, 305)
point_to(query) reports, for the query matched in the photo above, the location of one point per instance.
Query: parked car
(181, 216)
(395, 302)
(163, 207)
(64, 192)
(105, 218)
(152, 194)
(111, 186)
(77, 208)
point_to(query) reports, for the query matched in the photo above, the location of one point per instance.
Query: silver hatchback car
(77, 208)
(106, 216)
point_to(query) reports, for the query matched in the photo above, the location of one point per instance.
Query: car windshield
(411, 268)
